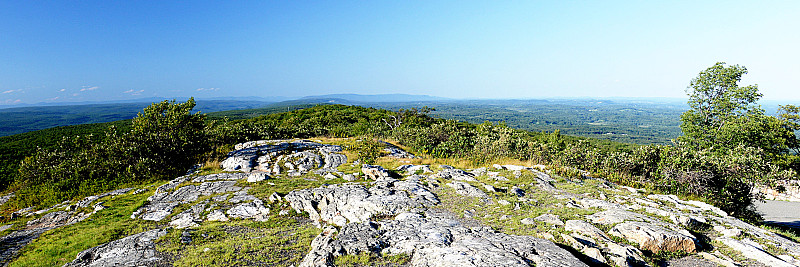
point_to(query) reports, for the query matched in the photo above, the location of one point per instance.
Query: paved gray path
(780, 212)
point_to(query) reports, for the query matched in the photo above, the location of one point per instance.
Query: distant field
(638, 122)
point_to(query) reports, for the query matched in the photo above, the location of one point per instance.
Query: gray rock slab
(438, 240)
(134, 250)
(341, 204)
(466, 189)
(549, 219)
(614, 216)
(753, 252)
(455, 174)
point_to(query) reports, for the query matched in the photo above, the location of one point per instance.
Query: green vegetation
(16, 147)
(165, 140)
(280, 241)
(59, 246)
(370, 259)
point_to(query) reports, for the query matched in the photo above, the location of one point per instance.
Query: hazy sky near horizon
(65, 51)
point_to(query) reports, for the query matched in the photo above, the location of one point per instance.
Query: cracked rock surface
(134, 250)
(437, 239)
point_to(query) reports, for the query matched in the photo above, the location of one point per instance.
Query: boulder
(585, 228)
(655, 238)
(374, 172)
(257, 177)
(615, 216)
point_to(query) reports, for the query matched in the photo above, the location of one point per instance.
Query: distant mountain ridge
(378, 98)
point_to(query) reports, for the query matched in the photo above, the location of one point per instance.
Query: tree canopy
(724, 115)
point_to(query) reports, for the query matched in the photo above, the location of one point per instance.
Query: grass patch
(790, 233)
(59, 246)
(280, 241)
(371, 259)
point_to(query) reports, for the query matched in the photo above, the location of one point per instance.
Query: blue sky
(64, 51)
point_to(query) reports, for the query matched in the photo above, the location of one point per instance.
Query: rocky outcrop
(274, 157)
(134, 250)
(381, 215)
(342, 204)
(436, 238)
(58, 215)
(169, 196)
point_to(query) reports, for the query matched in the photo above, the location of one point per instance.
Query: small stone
(528, 221)
(349, 177)
(330, 176)
(99, 206)
(733, 232)
(257, 177)
(503, 202)
(206, 249)
(489, 188)
(217, 215)
(274, 197)
(549, 219)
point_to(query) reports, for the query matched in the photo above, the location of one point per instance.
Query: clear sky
(54, 51)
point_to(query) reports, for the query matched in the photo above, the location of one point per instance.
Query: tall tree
(724, 115)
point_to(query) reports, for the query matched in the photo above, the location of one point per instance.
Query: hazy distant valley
(641, 121)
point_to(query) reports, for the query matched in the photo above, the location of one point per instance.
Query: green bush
(165, 140)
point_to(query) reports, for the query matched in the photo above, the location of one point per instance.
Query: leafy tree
(724, 115)
(166, 139)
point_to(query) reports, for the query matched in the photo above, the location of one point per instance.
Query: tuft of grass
(60, 246)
